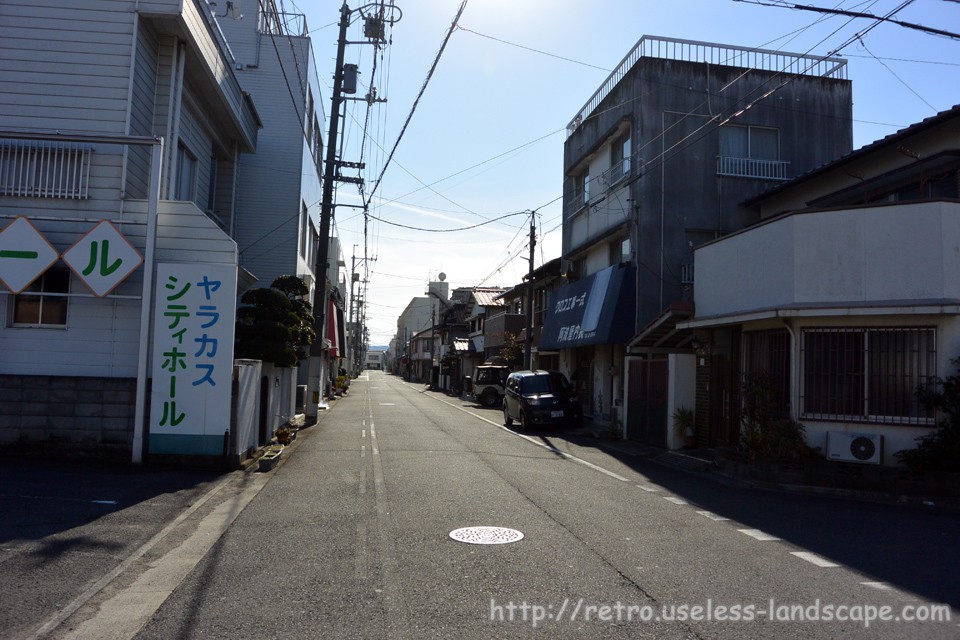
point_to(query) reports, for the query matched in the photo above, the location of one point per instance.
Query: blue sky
(486, 139)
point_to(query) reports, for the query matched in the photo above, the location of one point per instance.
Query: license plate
(556, 414)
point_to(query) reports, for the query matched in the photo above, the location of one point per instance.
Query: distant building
(373, 360)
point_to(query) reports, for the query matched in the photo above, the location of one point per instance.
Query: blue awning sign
(598, 309)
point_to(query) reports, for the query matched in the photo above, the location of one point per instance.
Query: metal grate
(752, 168)
(870, 375)
(486, 535)
(44, 169)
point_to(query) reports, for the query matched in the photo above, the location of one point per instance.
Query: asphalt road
(350, 538)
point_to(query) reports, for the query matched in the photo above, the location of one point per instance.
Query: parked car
(488, 382)
(539, 398)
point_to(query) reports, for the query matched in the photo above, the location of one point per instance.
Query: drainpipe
(794, 361)
(176, 103)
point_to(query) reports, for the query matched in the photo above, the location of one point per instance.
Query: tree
(277, 324)
(512, 349)
(939, 450)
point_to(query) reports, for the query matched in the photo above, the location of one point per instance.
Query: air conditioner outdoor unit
(865, 448)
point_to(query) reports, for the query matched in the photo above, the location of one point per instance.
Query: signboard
(194, 314)
(24, 254)
(103, 258)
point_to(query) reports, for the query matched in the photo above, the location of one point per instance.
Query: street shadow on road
(41, 498)
(912, 548)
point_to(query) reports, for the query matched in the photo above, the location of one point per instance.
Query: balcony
(752, 168)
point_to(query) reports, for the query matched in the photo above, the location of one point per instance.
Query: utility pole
(317, 374)
(374, 32)
(528, 346)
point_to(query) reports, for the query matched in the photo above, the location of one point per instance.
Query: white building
(845, 294)
(73, 338)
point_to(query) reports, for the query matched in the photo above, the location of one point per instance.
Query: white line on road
(813, 558)
(675, 500)
(712, 516)
(647, 489)
(756, 534)
(881, 586)
(547, 446)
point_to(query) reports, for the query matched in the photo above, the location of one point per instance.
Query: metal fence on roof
(711, 53)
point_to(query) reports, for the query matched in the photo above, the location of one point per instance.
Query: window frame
(38, 290)
(854, 369)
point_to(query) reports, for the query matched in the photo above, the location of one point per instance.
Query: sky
(485, 141)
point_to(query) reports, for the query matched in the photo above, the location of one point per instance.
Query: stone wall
(81, 415)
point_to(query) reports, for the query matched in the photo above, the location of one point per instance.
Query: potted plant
(683, 422)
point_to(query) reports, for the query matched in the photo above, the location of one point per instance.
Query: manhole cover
(486, 535)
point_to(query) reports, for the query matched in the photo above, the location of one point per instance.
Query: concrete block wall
(80, 414)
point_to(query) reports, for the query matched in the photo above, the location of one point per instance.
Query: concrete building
(657, 163)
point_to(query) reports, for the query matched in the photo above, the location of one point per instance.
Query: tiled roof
(487, 296)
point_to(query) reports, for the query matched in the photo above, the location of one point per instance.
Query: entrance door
(647, 395)
(725, 387)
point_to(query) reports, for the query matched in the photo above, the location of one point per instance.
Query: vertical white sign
(193, 332)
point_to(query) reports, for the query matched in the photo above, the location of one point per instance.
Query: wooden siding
(142, 110)
(101, 338)
(56, 76)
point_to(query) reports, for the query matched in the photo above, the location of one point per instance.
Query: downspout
(663, 195)
(126, 125)
(233, 193)
(176, 104)
(794, 374)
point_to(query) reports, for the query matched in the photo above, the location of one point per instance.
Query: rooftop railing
(711, 53)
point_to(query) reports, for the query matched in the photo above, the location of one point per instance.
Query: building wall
(851, 256)
(66, 414)
(677, 200)
(100, 67)
(279, 186)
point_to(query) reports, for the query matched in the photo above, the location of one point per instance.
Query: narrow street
(350, 538)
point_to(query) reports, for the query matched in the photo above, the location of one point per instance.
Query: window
(752, 152)
(868, 374)
(583, 189)
(620, 251)
(43, 304)
(44, 169)
(619, 159)
(186, 187)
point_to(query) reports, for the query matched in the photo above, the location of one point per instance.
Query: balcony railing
(717, 54)
(751, 168)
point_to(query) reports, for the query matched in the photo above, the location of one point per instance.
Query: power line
(423, 88)
(520, 46)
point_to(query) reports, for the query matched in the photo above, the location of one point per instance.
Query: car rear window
(546, 383)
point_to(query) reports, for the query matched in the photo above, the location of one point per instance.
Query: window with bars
(35, 169)
(869, 375)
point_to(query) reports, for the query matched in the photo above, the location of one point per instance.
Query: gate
(647, 398)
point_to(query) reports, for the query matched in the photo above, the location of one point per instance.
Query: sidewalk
(888, 485)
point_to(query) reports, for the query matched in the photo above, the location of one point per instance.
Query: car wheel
(489, 398)
(507, 420)
(524, 423)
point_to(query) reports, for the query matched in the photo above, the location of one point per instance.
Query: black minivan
(538, 398)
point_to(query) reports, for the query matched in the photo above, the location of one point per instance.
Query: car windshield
(545, 383)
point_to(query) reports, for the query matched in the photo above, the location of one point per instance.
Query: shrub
(766, 434)
(940, 450)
